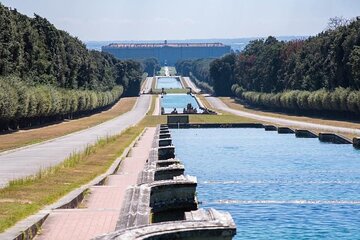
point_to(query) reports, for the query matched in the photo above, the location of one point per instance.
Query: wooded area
(318, 73)
(46, 74)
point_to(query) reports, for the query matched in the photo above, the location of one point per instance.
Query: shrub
(340, 100)
(21, 101)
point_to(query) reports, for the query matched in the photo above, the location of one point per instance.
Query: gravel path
(147, 85)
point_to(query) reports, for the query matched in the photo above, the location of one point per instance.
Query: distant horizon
(236, 44)
(199, 39)
(134, 20)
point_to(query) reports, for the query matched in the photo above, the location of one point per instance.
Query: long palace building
(167, 53)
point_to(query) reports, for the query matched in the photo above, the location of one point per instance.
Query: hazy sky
(184, 19)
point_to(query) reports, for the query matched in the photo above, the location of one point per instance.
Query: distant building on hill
(167, 53)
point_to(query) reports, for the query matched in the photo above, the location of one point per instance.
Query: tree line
(341, 100)
(24, 105)
(151, 66)
(198, 70)
(37, 58)
(319, 73)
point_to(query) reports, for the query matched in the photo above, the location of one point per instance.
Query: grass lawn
(224, 118)
(171, 91)
(37, 135)
(25, 197)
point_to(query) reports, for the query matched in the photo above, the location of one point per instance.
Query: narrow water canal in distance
(168, 83)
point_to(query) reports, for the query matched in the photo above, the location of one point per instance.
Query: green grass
(27, 196)
(24, 197)
(224, 118)
(171, 91)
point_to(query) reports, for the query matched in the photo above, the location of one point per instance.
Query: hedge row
(339, 100)
(19, 101)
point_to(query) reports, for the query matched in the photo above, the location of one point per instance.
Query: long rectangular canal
(168, 83)
(275, 186)
(178, 101)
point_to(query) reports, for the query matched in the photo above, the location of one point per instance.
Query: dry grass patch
(37, 135)
(49, 185)
(224, 118)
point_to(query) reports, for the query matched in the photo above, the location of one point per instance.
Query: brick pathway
(102, 206)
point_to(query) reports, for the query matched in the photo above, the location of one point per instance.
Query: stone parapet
(163, 204)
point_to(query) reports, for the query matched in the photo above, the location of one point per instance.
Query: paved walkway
(101, 209)
(218, 104)
(147, 85)
(167, 72)
(29, 160)
(192, 85)
(157, 106)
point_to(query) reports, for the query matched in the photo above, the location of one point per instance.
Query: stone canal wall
(300, 133)
(163, 204)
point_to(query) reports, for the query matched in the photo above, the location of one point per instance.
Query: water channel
(275, 186)
(178, 101)
(168, 83)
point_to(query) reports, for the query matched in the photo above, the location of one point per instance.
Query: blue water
(178, 101)
(275, 186)
(168, 83)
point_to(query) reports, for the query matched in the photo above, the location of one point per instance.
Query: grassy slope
(32, 136)
(25, 197)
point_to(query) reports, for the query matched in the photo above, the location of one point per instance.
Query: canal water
(168, 83)
(275, 186)
(178, 101)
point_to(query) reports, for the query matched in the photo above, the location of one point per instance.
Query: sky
(103, 20)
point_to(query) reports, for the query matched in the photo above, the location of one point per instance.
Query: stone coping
(200, 223)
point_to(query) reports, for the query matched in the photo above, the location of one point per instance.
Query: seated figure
(174, 111)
